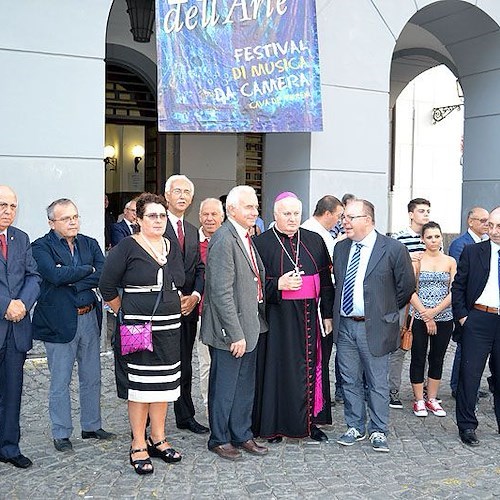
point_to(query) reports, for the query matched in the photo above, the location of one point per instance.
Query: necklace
(160, 257)
(295, 263)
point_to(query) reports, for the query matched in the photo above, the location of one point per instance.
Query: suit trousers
(355, 359)
(85, 350)
(184, 407)
(231, 393)
(11, 385)
(481, 336)
(204, 366)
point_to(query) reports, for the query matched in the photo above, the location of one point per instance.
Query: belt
(356, 318)
(84, 309)
(486, 309)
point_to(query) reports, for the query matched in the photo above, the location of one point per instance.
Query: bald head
(8, 207)
(494, 225)
(477, 221)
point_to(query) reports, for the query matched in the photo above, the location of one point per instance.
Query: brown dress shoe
(227, 451)
(252, 447)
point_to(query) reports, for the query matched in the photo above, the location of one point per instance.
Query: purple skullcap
(285, 194)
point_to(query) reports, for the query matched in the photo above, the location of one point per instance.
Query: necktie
(255, 268)
(135, 228)
(350, 279)
(3, 246)
(180, 234)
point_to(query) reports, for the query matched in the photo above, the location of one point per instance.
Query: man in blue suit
(19, 289)
(476, 305)
(477, 231)
(127, 226)
(68, 318)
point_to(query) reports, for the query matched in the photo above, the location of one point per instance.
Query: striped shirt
(410, 239)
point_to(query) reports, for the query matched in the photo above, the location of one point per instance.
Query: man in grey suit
(374, 279)
(232, 320)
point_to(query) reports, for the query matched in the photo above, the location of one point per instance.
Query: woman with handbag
(433, 319)
(145, 267)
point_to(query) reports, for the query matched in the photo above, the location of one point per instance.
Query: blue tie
(350, 279)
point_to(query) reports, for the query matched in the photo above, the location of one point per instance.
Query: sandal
(168, 455)
(140, 464)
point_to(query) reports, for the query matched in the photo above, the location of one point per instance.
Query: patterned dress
(152, 376)
(433, 287)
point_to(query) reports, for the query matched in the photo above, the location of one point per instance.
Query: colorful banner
(238, 66)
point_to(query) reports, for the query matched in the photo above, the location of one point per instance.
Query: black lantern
(142, 18)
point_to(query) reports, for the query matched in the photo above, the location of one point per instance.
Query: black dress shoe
(63, 444)
(192, 425)
(18, 461)
(275, 440)
(98, 434)
(468, 437)
(318, 434)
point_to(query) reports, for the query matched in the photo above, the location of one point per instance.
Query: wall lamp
(110, 160)
(137, 153)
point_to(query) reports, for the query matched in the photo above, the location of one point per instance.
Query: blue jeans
(355, 358)
(85, 350)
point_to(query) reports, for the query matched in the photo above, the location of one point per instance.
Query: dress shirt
(242, 233)
(366, 250)
(129, 225)
(475, 237)
(490, 295)
(173, 220)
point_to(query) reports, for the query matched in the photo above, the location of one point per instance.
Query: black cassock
(293, 382)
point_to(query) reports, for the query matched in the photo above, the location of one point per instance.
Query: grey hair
(54, 204)
(176, 177)
(277, 203)
(233, 197)
(220, 208)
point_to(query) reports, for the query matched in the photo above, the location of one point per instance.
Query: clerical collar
(284, 235)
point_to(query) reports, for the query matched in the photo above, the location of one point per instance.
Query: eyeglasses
(482, 221)
(177, 192)
(156, 216)
(350, 218)
(68, 219)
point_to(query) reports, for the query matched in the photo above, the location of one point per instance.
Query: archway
(467, 41)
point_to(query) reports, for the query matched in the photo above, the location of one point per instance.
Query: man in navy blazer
(127, 226)
(477, 231)
(475, 296)
(179, 192)
(68, 319)
(19, 289)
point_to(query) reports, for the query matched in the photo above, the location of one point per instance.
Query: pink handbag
(137, 337)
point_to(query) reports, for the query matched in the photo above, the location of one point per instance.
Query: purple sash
(309, 290)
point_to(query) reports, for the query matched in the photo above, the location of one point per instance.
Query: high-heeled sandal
(140, 464)
(167, 455)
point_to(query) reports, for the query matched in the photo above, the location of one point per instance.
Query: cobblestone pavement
(426, 459)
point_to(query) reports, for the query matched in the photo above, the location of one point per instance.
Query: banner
(238, 66)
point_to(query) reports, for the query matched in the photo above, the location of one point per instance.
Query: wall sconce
(137, 153)
(110, 159)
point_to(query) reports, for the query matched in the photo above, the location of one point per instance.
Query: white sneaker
(433, 406)
(419, 408)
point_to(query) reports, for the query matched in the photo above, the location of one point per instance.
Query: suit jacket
(19, 279)
(119, 230)
(55, 317)
(458, 244)
(471, 278)
(388, 285)
(194, 268)
(231, 311)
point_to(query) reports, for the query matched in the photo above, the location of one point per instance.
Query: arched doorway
(467, 40)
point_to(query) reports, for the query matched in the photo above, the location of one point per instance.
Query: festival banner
(238, 66)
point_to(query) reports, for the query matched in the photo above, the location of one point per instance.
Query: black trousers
(481, 337)
(184, 407)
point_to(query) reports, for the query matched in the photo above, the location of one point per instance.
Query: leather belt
(486, 309)
(357, 318)
(84, 309)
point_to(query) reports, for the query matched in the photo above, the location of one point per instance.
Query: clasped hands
(427, 316)
(188, 303)
(16, 311)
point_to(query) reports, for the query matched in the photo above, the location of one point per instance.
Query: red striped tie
(3, 246)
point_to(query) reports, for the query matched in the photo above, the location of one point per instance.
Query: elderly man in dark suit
(19, 289)
(475, 296)
(179, 192)
(68, 318)
(374, 279)
(127, 226)
(232, 320)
